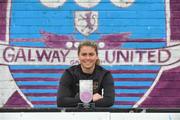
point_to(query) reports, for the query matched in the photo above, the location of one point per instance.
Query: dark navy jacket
(68, 92)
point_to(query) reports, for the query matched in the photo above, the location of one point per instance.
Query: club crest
(86, 22)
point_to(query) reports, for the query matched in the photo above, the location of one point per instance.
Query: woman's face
(87, 57)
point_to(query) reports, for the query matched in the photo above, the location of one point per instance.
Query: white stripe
(8, 11)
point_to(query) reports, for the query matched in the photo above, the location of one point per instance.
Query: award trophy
(86, 93)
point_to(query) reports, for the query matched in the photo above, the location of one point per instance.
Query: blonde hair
(89, 44)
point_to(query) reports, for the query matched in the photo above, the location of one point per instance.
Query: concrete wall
(94, 116)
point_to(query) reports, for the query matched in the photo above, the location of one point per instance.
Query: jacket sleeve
(65, 97)
(109, 94)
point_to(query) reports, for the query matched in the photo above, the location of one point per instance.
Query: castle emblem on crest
(86, 22)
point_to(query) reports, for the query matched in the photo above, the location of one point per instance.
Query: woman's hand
(96, 97)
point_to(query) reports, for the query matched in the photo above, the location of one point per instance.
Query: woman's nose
(87, 57)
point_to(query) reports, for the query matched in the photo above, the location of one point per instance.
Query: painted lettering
(55, 56)
(110, 54)
(64, 54)
(8, 54)
(20, 55)
(44, 54)
(163, 55)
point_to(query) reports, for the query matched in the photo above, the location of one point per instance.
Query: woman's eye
(91, 54)
(83, 54)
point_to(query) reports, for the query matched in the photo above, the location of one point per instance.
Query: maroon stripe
(160, 106)
(147, 40)
(131, 87)
(54, 94)
(56, 87)
(134, 71)
(133, 79)
(44, 102)
(171, 84)
(54, 102)
(41, 94)
(38, 71)
(124, 103)
(174, 20)
(165, 92)
(164, 100)
(62, 70)
(130, 40)
(129, 95)
(36, 79)
(3, 6)
(170, 76)
(38, 87)
(56, 79)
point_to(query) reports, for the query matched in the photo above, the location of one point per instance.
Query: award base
(86, 105)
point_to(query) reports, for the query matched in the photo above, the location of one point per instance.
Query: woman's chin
(88, 66)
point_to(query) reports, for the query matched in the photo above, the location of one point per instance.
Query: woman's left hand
(96, 97)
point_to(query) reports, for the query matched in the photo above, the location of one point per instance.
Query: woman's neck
(88, 71)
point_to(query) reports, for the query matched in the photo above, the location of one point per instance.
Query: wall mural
(139, 42)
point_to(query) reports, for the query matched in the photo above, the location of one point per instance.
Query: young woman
(68, 93)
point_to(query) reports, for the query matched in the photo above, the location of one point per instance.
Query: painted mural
(139, 42)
